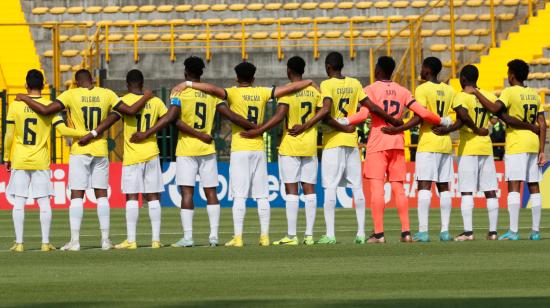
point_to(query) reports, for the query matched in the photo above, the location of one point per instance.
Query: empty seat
(506, 16)
(104, 23)
(385, 33)
(447, 17)
(64, 67)
(93, 9)
(63, 38)
(431, 18)
(437, 3)
(474, 3)
(177, 22)
(463, 32)
(48, 53)
(484, 17)
(240, 35)
(396, 18)
(68, 83)
(130, 37)
(183, 8)
(400, 4)
(339, 19)
(186, 36)
(303, 20)
(309, 5)
(291, 6)
(369, 33)
(147, 8)
(115, 37)
(58, 10)
(122, 23)
(40, 10)
(333, 34)
(362, 5)
(166, 8)
(459, 47)
(273, 6)
(276, 35)
(376, 18)
(426, 32)
(349, 34)
(93, 38)
(346, 5)
(404, 33)
(419, 4)
(75, 68)
(249, 20)
(218, 7)
(194, 22)
(296, 35)
(438, 47)
(222, 36)
(459, 3)
(382, 4)
(204, 36)
(468, 17)
(75, 10)
(260, 35)
(237, 7)
(231, 21)
(213, 21)
(158, 22)
(129, 9)
(167, 37)
(266, 21)
(77, 38)
(201, 7)
(510, 2)
(141, 22)
(359, 19)
(255, 6)
(286, 20)
(311, 34)
(443, 32)
(475, 47)
(111, 9)
(322, 19)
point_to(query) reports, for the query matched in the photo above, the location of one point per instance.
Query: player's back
(392, 98)
(140, 122)
(437, 98)
(250, 103)
(522, 103)
(301, 108)
(197, 110)
(345, 94)
(30, 149)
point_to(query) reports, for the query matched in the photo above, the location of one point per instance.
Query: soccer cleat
(264, 240)
(71, 246)
(445, 236)
(509, 236)
(156, 245)
(373, 240)
(360, 240)
(184, 243)
(236, 241)
(463, 237)
(326, 240)
(534, 236)
(291, 241)
(106, 244)
(17, 247)
(492, 236)
(126, 245)
(213, 241)
(406, 239)
(422, 237)
(47, 247)
(308, 240)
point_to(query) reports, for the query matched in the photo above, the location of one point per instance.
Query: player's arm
(188, 130)
(519, 124)
(427, 115)
(336, 124)
(61, 127)
(493, 107)
(280, 114)
(172, 114)
(442, 130)
(122, 108)
(465, 118)
(542, 137)
(201, 86)
(8, 142)
(292, 87)
(55, 107)
(320, 114)
(102, 127)
(374, 109)
(236, 119)
(392, 130)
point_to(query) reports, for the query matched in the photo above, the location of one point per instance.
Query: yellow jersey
(345, 94)
(522, 103)
(248, 102)
(147, 149)
(301, 108)
(197, 110)
(471, 143)
(87, 108)
(437, 98)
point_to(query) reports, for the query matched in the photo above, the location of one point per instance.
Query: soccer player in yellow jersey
(31, 159)
(195, 153)
(298, 161)
(524, 148)
(248, 165)
(88, 105)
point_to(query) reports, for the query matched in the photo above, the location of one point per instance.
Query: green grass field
(475, 274)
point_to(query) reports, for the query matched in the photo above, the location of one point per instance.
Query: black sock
(468, 233)
(405, 233)
(492, 233)
(378, 235)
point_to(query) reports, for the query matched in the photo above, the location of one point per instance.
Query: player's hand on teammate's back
(391, 130)
(179, 88)
(482, 131)
(348, 128)
(21, 97)
(148, 94)
(296, 130)
(85, 140)
(138, 137)
(542, 159)
(206, 138)
(440, 130)
(252, 133)
(396, 122)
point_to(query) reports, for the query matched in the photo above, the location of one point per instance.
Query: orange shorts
(388, 164)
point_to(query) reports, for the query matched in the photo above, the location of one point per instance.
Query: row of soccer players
(193, 105)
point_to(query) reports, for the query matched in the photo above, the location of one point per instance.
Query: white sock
(187, 223)
(492, 210)
(329, 208)
(311, 211)
(424, 200)
(155, 213)
(466, 207)
(132, 214)
(359, 198)
(264, 212)
(445, 205)
(239, 211)
(45, 218)
(103, 214)
(292, 205)
(536, 209)
(513, 210)
(213, 211)
(76, 211)
(18, 215)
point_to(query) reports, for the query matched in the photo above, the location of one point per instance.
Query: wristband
(189, 84)
(93, 132)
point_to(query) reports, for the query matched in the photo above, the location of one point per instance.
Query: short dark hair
(194, 66)
(386, 64)
(470, 73)
(83, 75)
(519, 68)
(245, 71)
(134, 77)
(296, 65)
(35, 80)
(335, 60)
(434, 64)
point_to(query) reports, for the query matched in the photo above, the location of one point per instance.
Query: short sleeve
(10, 117)
(268, 93)
(175, 101)
(319, 101)
(326, 90)
(113, 98)
(162, 110)
(57, 119)
(360, 93)
(368, 92)
(456, 102)
(420, 95)
(65, 98)
(285, 100)
(505, 97)
(541, 106)
(407, 98)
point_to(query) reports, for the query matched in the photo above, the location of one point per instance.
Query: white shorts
(341, 167)
(522, 167)
(248, 174)
(434, 167)
(477, 173)
(30, 184)
(145, 177)
(86, 171)
(188, 167)
(294, 169)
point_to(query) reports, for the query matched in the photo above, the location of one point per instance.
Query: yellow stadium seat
(443, 32)
(88, 23)
(303, 20)
(93, 9)
(186, 37)
(311, 34)
(369, 33)
(295, 35)
(447, 63)
(48, 53)
(239, 35)
(77, 38)
(328, 5)
(547, 75)
(93, 38)
(260, 35)
(213, 21)
(147, 8)
(58, 10)
(437, 3)
(158, 22)
(333, 34)
(273, 6)
(384, 33)
(463, 32)
(39, 10)
(376, 18)
(69, 22)
(339, 19)
(431, 18)
(355, 33)
(249, 20)
(75, 68)
(544, 61)
(484, 17)
(63, 38)
(474, 3)
(166, 8)
(68, 83)
(167, 37)
(382, 4)
(438, 47)
(359, 19)
(201, 7)
(322, 19)
(286, 20)
(447, 17)
(237, 7)
(48, 24)
(222, 36)
(291, 6)
(65, 67)
(255, 6)
(510, 2)
(115, 37)
(122, 23)
(275, 35)
(309, 5)
(412, 17)
(75, 10)
(396, 18)
(480, 32)
(506, 16)
(346, 5)
(182, 8)
(141, 22)
(400, 4)
(475, 47)
(426, 32)
(177, 22)
(362, 5)
(231, 21)
(194, 22)
(468, 17)
(130, 37)
(129, 9)
(218, 7)
(419, 4)
(111, 9)
(459, 47)
(104, 23)
(404, 33)
(203, 36)
(266, 21)
(459, 3)
(531, 76)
